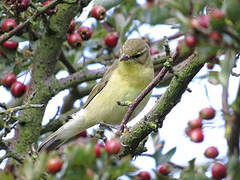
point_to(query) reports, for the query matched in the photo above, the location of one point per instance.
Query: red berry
(144, 175)
(54, 165)
(71, 27)
(113, 146)
(23, 5)
(153, 51)
(211, 152)
(217, 14)
(74, 40)
(85, 33)
(17, 89)
(204, 21)
(188, 131)
(8, 80)
(8, 25)
(111, 40)
(98, 12)
(190, 40)
(82, 134)
(215, 36)
(207, 113)
(97, 150)
(219, 171)
(52, 10)
(210, 66)
(10, 45)
(195, 23)
(196, 135)
(150, 1)
(195, 123)
(164, 169)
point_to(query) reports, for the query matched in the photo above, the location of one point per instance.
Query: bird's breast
(121, 87)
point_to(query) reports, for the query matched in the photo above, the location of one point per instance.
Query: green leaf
(226, 65)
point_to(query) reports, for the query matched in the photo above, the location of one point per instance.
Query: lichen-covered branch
(44, 62)
(164, 105)
(79, 77)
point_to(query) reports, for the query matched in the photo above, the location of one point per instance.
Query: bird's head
(135, 51)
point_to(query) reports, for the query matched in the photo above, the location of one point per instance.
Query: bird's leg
(126, 129)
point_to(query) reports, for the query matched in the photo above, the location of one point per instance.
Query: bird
(124, 80)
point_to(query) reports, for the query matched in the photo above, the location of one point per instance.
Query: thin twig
(175, 36)
(68, 65)
(22, 107)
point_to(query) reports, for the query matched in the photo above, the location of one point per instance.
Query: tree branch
(79, 77)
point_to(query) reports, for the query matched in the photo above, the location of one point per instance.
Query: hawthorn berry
(23, 5)
(211, 152)
(97, 150)
(82, 134)
(153, 51)
(207, 113)
(111, 40)
(188, 131)
(219, 171)
(113, 146)
(150, 1)
(17, 89)
(10, 45)
(195, 123)
(210, 66)
(204, 21)
(8, 25)
(85, 32)
(144, 175)
(98, 12)
(74, 40)
(8, 79)
(216, 37)
(196, 135)
(217, 14)
(52, 10)
(54, 165)
(190, 40)
(164, 169)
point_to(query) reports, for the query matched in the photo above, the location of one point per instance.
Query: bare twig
(175, 36)
(22, 107)
(69, 66)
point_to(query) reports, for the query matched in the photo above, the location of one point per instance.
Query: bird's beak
(124, 58)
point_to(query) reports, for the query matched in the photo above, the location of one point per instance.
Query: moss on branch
(44, 62)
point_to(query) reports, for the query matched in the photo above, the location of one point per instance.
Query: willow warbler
(123, 81)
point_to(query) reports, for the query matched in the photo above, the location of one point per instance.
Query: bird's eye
(138, 55)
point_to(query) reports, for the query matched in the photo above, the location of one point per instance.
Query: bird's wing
(99, 86)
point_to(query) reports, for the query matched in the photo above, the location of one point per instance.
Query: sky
(176, 121)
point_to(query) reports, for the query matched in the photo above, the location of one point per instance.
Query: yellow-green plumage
(123, 81)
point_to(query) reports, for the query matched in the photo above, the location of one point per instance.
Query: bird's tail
(68, 130)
